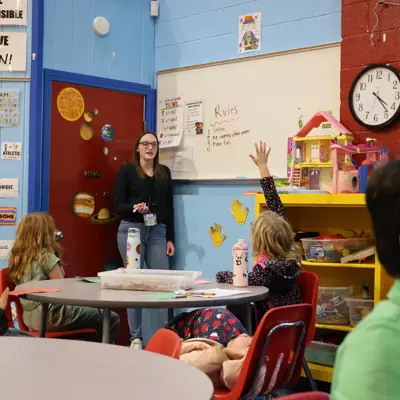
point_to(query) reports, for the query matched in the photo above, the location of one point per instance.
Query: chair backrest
(307, 396)
(279, 342)
(4, 284)
(308, 285)
(165, 342)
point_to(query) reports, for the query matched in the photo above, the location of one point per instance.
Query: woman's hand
(141, 208)
(170, 249)
(261, 158)
(4, 299)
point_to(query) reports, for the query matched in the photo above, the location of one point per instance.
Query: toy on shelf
(327, 163)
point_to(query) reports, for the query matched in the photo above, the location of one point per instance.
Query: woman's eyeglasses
(154, 145)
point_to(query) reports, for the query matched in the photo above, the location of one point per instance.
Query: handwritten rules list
(170, 122)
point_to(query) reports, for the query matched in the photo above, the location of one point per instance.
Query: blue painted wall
(10, 168)
(198, 31)
(71, 45)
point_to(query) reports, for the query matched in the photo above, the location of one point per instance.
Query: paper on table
(202, 281)
(216, 292)
(89, 280)
(162, 296)
(28, 291)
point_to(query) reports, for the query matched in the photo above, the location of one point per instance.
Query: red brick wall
(358, 19)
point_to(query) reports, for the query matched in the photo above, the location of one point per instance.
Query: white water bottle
(240, 252)
(133, 249)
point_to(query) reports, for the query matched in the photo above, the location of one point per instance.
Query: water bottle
(240, 252)
(133, 249)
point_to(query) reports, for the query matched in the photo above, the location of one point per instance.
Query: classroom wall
(358, 20)
(10, 168)
(196, 32)
(126, 53)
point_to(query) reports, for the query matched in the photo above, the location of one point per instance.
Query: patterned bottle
(240, 252)
(133, 249)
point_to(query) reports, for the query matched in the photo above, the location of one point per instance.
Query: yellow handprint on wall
(237, 211)
(215, 233)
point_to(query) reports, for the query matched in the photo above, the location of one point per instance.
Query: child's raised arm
(267, 181)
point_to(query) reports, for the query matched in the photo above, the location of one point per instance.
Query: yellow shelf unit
(333, 213)
(314, 165)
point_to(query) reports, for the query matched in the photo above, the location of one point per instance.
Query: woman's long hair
(35, 241)
(158, 170)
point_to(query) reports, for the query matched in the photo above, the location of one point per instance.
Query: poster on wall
(13, 51)
(194, 118)
(9, 108)
(13, 12)
(249, 33)
(170, 124)
(8, 216)
(5, 248)
(9, 188)
(11, 150)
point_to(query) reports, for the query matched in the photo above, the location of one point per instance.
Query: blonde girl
(35, 256)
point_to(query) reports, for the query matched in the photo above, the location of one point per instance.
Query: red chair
(307, 396)
(165, 342)
(308, 285)
(75, 334)
(279, 341)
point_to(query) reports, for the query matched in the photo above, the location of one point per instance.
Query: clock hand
(381, 101)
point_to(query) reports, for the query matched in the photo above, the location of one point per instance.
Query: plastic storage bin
(148, 280)
(359, 309)
(332, 308)
(332, 250)
(321, 353)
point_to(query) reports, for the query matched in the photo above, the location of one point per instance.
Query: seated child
(35, 256)
(215, 342)
(273, 243)
(4, 330)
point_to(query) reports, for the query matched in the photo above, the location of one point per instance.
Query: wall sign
(9, 108)
(13, 12)
(8, 216)
(5, 248)
(11, 151)
(9, 188)
(13, 51)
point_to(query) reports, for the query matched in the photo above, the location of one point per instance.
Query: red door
(93, 131)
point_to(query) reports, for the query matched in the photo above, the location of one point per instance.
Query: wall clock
(374, 97)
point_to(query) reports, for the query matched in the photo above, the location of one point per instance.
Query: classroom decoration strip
(216, 235)
(238, 212)
(8, 216)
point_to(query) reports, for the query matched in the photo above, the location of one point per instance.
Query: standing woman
(144, 187)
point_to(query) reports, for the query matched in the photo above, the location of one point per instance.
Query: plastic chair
(307, 396)
(279, 341)
(308, 285)
(165, 342)
(75, 334)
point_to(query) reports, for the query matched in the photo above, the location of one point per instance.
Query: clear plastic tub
(332, 308)
(148, 280)
(332, 250)
(321, 353)
(359, 309)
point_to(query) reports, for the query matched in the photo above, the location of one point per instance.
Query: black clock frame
(396, 116)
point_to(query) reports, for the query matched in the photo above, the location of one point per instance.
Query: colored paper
(202, 282)
(89, 280)
(161, 296)
(249, 33)
(30, 291)
(194, 117)
(239, 212)
(8, 216)
(217, 237)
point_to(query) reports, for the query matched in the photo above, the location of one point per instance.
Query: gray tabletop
(46, 369)
(76, 292)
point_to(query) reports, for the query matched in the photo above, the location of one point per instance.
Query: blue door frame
(39, 139)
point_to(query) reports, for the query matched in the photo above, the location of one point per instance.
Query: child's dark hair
(383, 200)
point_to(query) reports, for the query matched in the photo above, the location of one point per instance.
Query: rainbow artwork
(8, 216)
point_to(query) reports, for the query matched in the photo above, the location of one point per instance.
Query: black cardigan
(130, 189)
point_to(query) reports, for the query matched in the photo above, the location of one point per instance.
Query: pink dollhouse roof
(317, 119)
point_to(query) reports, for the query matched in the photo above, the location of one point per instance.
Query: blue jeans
(153, 255)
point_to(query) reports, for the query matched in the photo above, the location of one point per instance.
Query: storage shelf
(320, 372)
(342, 328)
(338, 265)
(314, 165)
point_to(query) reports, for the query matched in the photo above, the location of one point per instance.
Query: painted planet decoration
(83, 205)
(103, 217)
(107, 133)
(105, 151)
(86, 132)
(70, 104)
(88, 116)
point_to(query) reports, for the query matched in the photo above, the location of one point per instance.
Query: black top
(130, 189)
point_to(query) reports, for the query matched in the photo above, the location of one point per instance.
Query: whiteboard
(247, 101)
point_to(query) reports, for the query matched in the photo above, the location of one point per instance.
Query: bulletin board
(208, 117)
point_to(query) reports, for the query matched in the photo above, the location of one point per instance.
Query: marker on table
(200, 293)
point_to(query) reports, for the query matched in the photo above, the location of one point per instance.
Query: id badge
(150, 219)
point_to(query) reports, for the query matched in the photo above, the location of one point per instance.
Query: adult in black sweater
(144, 187)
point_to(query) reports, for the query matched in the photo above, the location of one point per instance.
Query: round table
(78, 293)
(65, 369)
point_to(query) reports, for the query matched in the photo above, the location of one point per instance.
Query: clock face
(374, 97)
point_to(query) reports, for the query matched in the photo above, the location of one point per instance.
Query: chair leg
(309, 376)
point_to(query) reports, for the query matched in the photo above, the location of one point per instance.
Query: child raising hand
(277, 266)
